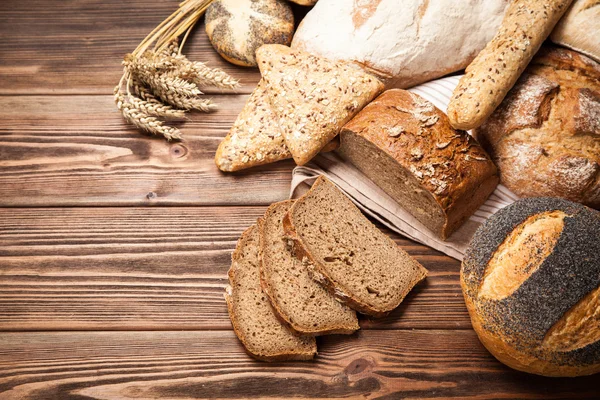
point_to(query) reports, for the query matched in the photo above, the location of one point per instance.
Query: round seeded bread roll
(545, 135)
(236, 28)
(531, 280)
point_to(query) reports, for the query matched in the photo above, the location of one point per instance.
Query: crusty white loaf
(579, 28)
(408, 42)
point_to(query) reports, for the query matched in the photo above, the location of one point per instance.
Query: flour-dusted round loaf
(545, 136)
(407, 42)
(531, 282)
(236, 28)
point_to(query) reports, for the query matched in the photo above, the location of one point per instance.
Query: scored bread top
(311, 96)
(530, 266)
(348, 254)
(300, 301)
(254, 320)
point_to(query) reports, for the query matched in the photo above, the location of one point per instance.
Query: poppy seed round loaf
(530, 279)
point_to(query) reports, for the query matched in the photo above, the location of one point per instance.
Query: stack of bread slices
(306, 268)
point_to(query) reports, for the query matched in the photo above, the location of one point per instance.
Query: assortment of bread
(531, 277)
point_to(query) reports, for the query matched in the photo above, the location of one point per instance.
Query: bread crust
(497, 67)
(235, 256)
(545, 136)
(514, 327)
(320, 275)
(280, 314)
(448, 164)
(400, 41)
(577, 29)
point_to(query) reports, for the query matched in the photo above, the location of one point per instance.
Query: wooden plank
(77, 150)
(76, 47)
(159, 268)
(186, 365)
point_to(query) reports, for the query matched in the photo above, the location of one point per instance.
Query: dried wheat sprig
(185, 102)
(155, 109)
(141, 91)
(213, 76)
(158, 80)
(143, 120)
(158, 75)
(146, 102)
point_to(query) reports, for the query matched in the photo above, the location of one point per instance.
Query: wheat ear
(143, 120)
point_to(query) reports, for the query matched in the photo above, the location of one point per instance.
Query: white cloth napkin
(376, 203)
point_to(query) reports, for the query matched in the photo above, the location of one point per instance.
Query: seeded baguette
(361, 265)
(300, 302)
(254, 321)
(497, 67)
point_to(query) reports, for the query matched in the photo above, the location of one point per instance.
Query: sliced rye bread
(357, 262)
(252, 316)
(302, 303)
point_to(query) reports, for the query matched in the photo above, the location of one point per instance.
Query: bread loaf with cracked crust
(236, 28)
(531, 282)
(407, 147)
(545, 136)
(403, 42)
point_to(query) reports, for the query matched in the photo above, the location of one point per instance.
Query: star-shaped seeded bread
(255, 138)
(312, 97)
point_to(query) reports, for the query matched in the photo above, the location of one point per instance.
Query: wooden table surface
(114, 246)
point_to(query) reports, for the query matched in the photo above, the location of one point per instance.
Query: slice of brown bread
(357, 262)
(252, 316)
(302, 303)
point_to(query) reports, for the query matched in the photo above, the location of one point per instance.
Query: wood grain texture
(184, 365)
(159, 268)
(77, 150)
(76, 46)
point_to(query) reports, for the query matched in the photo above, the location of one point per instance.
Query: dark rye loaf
(304, 305)
(358, 263)
(254, 320)
(405, 145)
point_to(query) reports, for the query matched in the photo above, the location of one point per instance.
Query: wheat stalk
(144, 121)
(162, 82)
